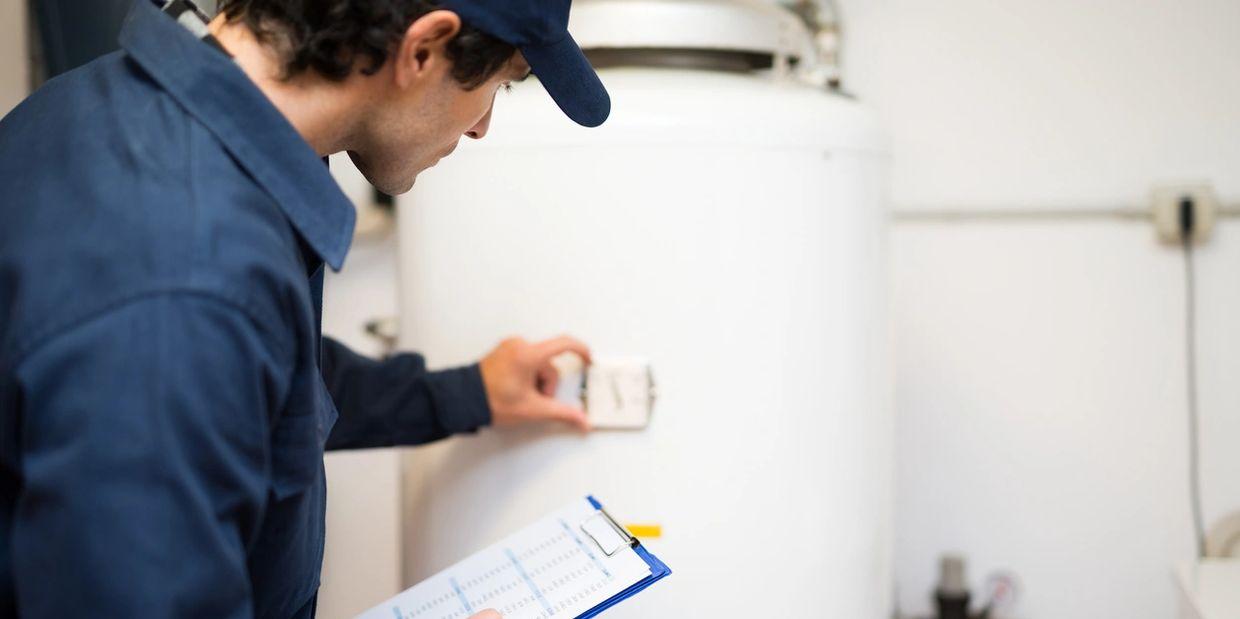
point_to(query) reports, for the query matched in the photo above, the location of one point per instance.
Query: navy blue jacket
(165, 397)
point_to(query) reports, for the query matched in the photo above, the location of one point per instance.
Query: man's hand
(521, 382)
(487, 614)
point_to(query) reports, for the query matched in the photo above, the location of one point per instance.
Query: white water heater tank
(727, 224)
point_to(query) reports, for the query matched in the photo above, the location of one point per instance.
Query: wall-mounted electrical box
(1170, 203)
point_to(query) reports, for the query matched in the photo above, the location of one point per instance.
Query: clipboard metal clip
(607, 533)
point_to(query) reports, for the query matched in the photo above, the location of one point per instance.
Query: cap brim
(570, 80)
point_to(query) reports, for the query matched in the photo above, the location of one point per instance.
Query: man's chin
(396, 190)
(404, 185)
(393, 186)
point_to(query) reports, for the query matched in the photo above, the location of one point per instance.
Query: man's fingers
(548, 379)
(547, 349)
(549, 408)
(487, 614)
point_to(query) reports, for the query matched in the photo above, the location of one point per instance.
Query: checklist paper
(552, 568)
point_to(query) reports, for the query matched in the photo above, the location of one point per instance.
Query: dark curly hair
(328, 36)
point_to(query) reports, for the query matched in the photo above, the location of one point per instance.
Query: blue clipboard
(658, 569)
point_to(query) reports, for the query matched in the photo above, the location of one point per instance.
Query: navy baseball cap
(539, 28)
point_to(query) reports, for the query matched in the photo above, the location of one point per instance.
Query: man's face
(411, 129)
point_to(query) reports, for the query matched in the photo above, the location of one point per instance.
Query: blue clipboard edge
(658, 570)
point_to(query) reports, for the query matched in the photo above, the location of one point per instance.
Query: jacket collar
(219, 95)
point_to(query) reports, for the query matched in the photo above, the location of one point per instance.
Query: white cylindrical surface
(734, 25)
(730, 229)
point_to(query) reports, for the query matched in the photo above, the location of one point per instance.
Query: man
(165, 397)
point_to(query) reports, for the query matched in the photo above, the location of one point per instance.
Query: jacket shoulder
(113, 190)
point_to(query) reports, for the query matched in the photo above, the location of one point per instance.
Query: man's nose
(479, 130)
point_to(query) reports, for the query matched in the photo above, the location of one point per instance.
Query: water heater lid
(751, 26)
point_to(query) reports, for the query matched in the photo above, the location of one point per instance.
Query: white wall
(1049, 102)
(1039, 366)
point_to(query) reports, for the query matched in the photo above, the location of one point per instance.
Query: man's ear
(424, 46)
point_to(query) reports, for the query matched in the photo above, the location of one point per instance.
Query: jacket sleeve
(144, 459)
(396, 401)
